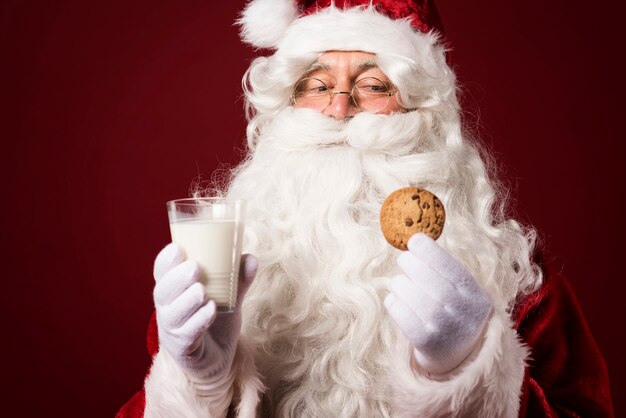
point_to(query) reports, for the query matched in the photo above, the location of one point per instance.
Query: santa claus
(357, 101)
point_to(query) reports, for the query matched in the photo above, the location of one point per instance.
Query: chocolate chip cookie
(408, 211)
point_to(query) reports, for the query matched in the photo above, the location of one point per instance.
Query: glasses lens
(312, 93)
(371, 94)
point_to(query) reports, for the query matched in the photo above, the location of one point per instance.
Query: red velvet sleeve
(134, 408)
(566, 374)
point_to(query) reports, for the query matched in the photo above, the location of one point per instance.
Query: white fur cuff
(487, 384)
(170, 393)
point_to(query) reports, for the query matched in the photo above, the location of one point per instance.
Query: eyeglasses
(368, 94)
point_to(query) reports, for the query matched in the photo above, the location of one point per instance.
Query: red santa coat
(566, 375)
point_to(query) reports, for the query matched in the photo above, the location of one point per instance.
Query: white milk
(216, 246)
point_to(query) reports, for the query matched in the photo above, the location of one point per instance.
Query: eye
(372, 86)
(310, 87)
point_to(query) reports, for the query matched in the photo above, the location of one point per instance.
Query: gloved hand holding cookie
(436, 302)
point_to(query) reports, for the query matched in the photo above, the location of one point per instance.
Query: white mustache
(305, 129)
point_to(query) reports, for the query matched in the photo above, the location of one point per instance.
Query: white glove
(201, 342)
(438, 305)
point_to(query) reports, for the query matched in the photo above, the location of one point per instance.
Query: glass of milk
(210, 230)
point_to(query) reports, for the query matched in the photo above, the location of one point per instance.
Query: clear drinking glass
(210, 230)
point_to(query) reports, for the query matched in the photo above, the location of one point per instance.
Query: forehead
(344, 61)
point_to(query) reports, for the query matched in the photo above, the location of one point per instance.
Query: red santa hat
(297, 27)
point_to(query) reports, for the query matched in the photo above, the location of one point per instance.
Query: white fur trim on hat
(264, 22)
(358, 28)
(354, 29)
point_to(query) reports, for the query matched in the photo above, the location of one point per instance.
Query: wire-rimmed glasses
(368, 94)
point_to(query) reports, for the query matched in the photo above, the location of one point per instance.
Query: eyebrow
(325, 67)
(366, 65)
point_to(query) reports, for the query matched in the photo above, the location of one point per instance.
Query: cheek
(302, 106)
(315, 106)
(392, 106)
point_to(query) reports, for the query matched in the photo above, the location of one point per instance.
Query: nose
(341, 106)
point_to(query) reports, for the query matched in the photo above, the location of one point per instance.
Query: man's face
(347, 72)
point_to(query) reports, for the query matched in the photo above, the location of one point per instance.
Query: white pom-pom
(264, 22)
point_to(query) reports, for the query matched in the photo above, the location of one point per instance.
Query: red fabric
(566, 375)
(422, 13)
(135, 407)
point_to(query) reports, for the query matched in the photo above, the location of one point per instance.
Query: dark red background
(111, 109)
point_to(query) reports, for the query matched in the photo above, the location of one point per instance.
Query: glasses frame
(331, 94)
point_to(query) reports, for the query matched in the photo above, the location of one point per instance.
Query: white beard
(314, 187)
